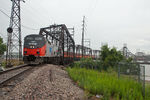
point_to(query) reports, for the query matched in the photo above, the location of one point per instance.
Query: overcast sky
(107, 21)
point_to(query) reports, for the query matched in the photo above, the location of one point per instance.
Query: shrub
(88, 63)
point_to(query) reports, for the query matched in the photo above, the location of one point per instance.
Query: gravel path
(47, 83)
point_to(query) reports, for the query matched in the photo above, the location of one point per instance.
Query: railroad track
(14, 68)
(10, 74)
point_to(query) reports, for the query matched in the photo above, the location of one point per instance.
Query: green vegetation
(147, 92)
(2, 47)
(15, 62)
(110, 57)
(100, 77)
(106, 84)
(2, 50)
(88, 63)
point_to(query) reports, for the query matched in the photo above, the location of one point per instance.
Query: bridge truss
(60, 35)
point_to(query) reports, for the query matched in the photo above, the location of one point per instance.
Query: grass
(14, 62)
(147, 92)
(107, 84)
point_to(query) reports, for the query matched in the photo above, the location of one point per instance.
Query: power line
(21, 24)
(28, 27)
(31, 11)
(4, 13)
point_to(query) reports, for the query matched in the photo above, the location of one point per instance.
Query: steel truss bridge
(59, 35)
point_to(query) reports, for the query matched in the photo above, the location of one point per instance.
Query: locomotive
(37, 50)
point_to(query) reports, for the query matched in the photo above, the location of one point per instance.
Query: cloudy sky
(107, 21)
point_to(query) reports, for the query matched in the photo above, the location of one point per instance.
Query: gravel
(49, 82)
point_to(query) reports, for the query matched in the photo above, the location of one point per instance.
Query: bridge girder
(62, 37)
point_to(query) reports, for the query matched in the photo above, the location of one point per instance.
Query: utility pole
(73, 31)
(83, 29)
(125, 52)
(14, 44)
(88, 42)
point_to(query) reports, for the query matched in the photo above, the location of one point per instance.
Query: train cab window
(34, 41)
(29, 38)
(38, 38)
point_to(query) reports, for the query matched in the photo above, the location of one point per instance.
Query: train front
(34, 49)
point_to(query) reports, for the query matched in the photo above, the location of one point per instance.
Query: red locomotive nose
(35, 51)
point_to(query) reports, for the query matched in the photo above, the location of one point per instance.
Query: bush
(110, 57)
(88, 63)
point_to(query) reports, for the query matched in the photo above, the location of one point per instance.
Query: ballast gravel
(49, 82)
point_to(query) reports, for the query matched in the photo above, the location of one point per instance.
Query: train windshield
(34, 41)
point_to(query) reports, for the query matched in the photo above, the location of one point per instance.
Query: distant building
(140, 54)
(142, 57)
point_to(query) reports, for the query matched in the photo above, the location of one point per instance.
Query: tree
(2, 47)
(110, 57)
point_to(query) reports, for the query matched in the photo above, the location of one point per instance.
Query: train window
(29, 38)
(33, 43)
(38, 38)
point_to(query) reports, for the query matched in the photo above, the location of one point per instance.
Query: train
(40, 49)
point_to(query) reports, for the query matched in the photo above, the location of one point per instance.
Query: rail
(8, 76)
(14, 68)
